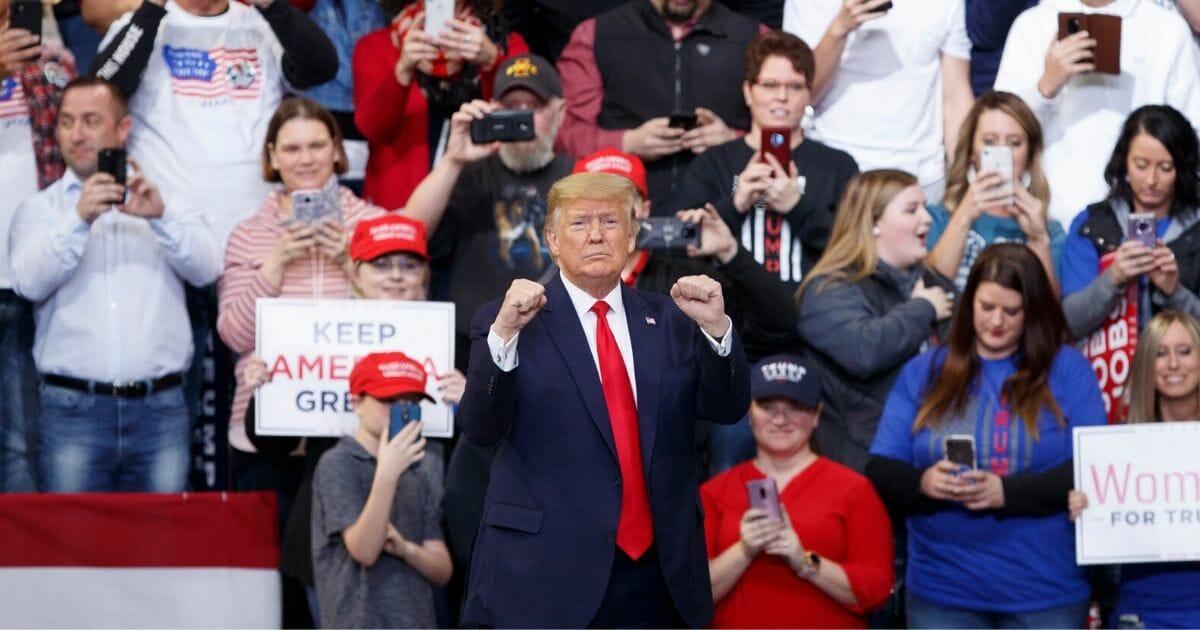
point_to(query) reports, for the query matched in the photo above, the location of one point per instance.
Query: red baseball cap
(388, 234)
(610, 160)
(387, 375)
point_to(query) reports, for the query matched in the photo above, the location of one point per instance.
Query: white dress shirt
(109, 297)
(505, 354)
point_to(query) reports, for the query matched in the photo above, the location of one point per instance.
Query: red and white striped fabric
(139, 560)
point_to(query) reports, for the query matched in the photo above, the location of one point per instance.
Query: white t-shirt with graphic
(18, 166)
(201, 110)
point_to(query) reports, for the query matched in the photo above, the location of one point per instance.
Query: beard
(531, 155)
(679, 15)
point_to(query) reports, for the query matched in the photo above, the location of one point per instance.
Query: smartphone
(401, 414)
(764, 496)
(1142, 228)
(26, 14)
(506, 125)
(666, 233)
(113, 162)
(313, 205)
(1105, 29)
(436, 14)
(1000, 159)
(883, 8)
(776, 141)
(683, 120)
(960, 449)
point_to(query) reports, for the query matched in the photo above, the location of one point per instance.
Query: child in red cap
(378, 549)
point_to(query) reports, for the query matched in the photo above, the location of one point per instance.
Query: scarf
(43, 82)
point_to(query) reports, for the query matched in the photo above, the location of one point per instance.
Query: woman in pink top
(282, 252)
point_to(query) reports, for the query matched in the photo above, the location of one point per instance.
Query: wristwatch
(812, 564)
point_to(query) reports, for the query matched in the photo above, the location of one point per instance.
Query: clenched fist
(700, 298)
(522, 301)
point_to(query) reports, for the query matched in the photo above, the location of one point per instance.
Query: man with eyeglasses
(658, 79)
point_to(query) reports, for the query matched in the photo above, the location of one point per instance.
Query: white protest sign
(310, 347)
(1143, 487)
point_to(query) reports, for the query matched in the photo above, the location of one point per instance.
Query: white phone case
(436, 14)
(1000, 159)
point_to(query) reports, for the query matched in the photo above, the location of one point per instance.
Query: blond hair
(964, 147)
(595, 186)
(850, 255)
(1141, 396)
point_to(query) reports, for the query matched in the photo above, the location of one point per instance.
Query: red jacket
(394, 118)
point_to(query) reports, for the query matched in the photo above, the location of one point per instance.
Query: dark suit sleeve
(724, 381)
(489, 403)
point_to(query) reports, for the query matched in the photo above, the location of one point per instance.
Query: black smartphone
(778, 142)
(883, 8)
(26, 14)
(506, 125)
(1141, 228)
(960, 449)
(667, 233)
(683, 120)
(764, 496)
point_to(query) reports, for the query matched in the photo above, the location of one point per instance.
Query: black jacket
(647, 75)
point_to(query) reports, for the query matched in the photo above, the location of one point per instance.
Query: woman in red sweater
(826, 560)
(407, 84)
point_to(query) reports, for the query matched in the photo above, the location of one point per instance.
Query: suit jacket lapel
(567, 333)
(647, 344)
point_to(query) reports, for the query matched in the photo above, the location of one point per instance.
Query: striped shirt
(241, 284)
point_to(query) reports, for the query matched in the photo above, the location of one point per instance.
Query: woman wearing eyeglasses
(781, 212)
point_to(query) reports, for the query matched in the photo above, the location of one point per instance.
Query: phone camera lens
(1073, 25)
(776, 139)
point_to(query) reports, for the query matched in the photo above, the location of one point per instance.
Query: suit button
(616, 481)
(610, 537)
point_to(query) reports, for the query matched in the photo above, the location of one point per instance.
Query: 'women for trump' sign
(1143, 487)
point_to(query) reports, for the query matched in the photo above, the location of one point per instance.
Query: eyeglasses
(406, 265)
(793, 88)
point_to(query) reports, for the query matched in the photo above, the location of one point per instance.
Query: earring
(875, 231)
(806, 121)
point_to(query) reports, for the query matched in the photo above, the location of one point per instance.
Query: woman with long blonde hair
(983, 205)
(868, 305)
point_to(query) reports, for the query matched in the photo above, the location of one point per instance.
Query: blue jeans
(926, 614)
(18, 395)
(94, 443)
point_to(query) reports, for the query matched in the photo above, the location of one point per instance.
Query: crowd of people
(750, 428)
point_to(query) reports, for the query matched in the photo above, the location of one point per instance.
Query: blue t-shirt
(1162, 595)
(975, 559)
(1080, 261)
(987, 230)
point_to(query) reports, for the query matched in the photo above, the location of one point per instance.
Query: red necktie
(635, 530)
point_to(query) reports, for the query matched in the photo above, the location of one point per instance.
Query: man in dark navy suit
(590, 390)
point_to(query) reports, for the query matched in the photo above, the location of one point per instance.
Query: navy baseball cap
(787, 376)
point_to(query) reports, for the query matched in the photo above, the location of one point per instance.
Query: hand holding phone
(114, 162)
(683, 120)
(667, 233)
(26, 14)
(505, 125)
(1142, 229)
(1104, 29)
(999, 159)
(960, 449)
(764, 495)
(776, 142)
